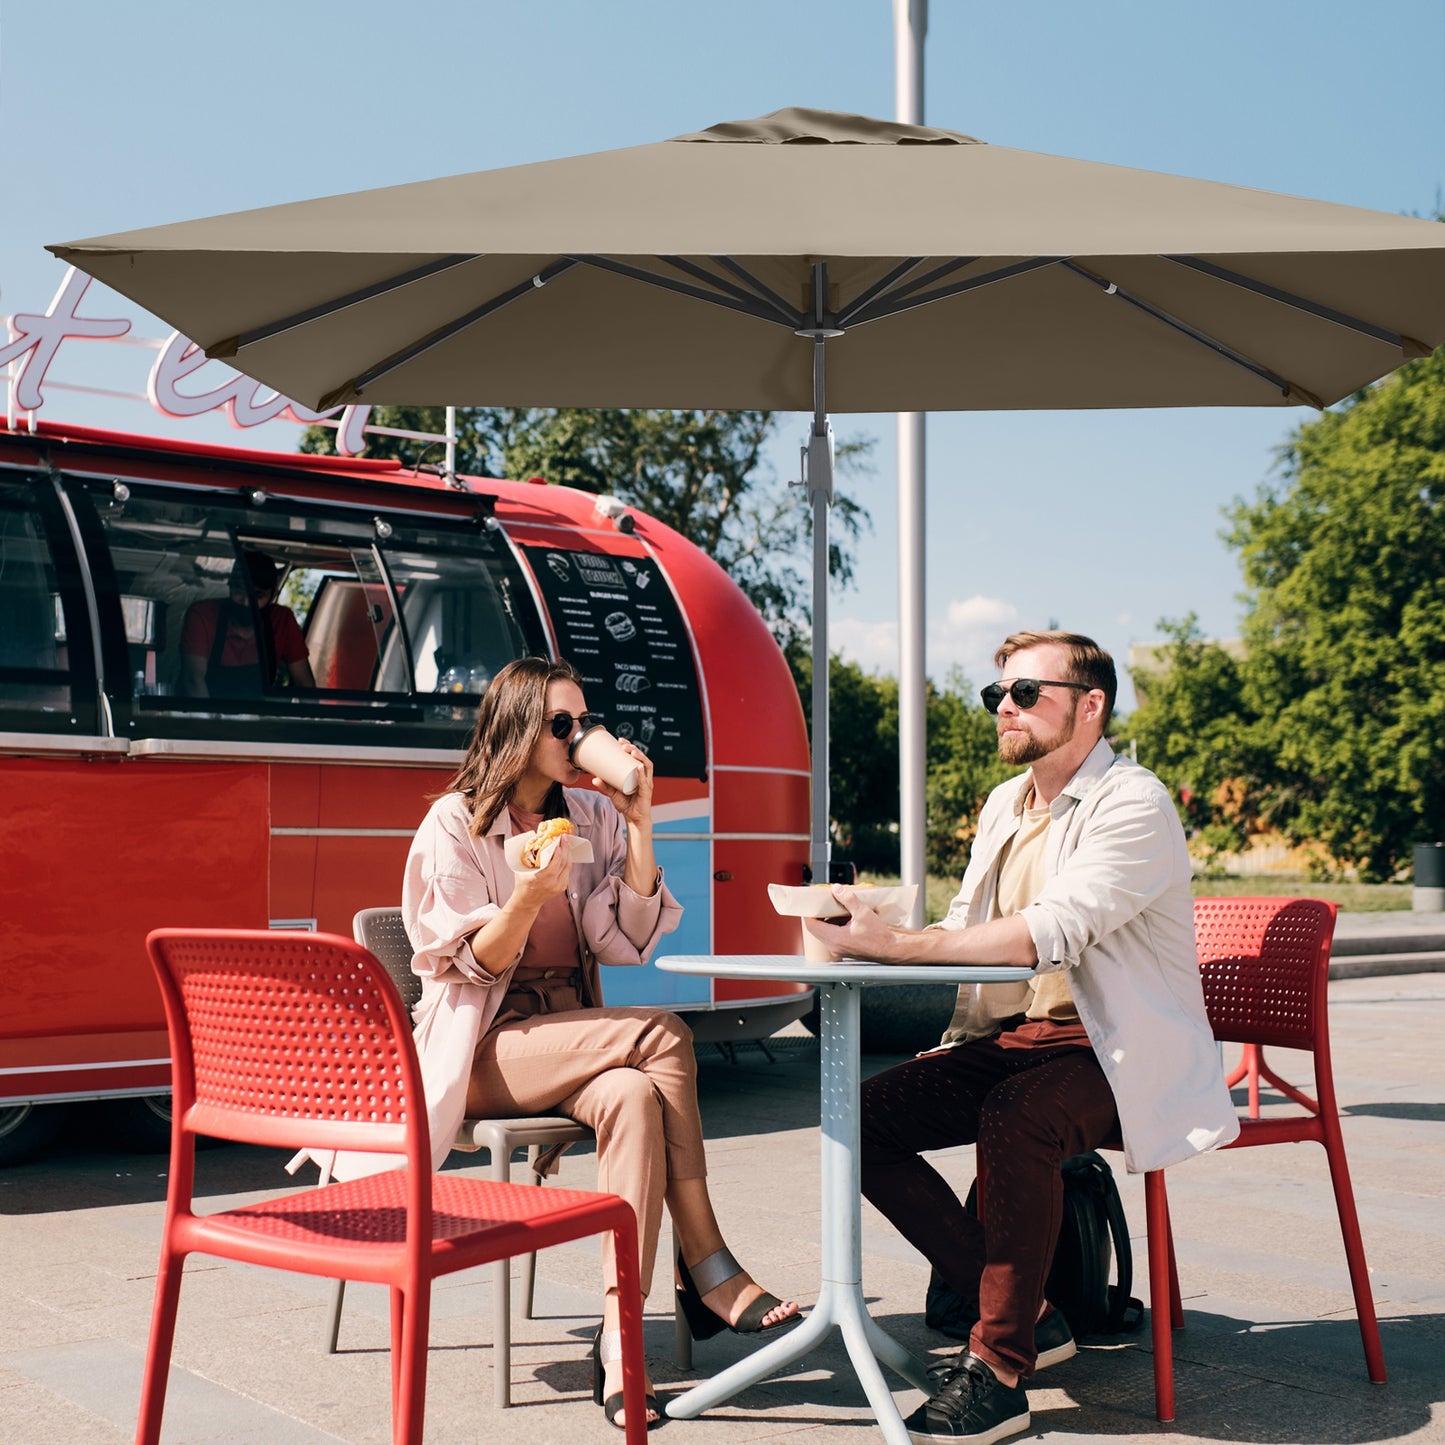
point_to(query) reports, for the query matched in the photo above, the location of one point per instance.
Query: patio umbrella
(721, 269)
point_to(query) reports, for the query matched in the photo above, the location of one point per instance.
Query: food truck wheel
(27, 1130)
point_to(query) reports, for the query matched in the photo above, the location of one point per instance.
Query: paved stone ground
(1270, 1351)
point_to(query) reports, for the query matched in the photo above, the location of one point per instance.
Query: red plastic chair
(301, 1040)
(1265, 966)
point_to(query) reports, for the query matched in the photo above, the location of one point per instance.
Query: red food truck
(134, 799)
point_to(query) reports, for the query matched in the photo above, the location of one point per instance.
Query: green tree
(963, 768)
(862, 757)
(1331, 724)
(704, 473)
(1345, 639)
(1193, 728)
(962, 765)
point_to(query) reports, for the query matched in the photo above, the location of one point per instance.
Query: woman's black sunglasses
(562, 723)
(1024, 691)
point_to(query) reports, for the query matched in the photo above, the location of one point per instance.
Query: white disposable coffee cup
(597, 752)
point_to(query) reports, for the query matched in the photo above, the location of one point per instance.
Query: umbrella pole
(820, 495)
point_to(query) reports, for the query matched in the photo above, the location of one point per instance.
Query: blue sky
(116, 116)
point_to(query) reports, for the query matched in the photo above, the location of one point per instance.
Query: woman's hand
(636, 808)
(532, 887)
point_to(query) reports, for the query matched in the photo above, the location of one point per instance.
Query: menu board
(619, 625)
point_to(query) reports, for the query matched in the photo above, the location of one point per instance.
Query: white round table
(840, 1301)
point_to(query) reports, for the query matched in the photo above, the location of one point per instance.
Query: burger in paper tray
(892, 903)
(534, 850)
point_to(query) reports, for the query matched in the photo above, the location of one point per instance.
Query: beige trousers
(629, 1074)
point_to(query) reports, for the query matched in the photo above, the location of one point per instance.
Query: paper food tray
(579, 850)
(892, 902)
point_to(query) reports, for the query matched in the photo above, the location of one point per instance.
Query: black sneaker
(971, 1406)
(1053, 1340)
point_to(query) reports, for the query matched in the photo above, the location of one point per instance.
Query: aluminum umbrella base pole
(840, 1302)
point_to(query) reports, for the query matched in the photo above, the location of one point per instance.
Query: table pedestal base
(839, 1306)
(840, 1300)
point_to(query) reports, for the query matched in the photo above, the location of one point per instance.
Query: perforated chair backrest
(380, 931)
(1265, 966)
(298, 1040)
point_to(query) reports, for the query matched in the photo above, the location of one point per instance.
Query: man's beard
(1017, 748)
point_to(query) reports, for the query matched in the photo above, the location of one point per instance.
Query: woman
(511, 1020)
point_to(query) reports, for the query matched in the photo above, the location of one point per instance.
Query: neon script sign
(35, 340)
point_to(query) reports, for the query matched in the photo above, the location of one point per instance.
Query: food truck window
(327, 621)
(47, 681)
(466, 611)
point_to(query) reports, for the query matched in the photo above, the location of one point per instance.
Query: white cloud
(967, 636)
(872, 645)
(964, 637)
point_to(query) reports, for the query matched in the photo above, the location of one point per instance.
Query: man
(218, 637)
(1079, 876)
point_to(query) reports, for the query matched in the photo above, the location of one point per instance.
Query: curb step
(1374, 965)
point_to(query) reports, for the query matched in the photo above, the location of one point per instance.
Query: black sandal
(606, 1349)
(704, 1277)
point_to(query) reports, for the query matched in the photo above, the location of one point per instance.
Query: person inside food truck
(218, 637)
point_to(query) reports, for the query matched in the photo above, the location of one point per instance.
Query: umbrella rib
(884, 283)
(352, 389)
(1238, 358)
(234, 344)
(914, 298)
(668, 283)
(760, 288)
(1288, 298)
(911, 289)
(723, 284)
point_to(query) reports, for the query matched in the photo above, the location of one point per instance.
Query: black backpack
(1092, 1235)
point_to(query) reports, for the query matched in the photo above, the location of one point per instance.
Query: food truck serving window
(290, 621)
(619, 624)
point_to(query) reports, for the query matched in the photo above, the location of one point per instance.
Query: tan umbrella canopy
(936, 272)
(961, 275)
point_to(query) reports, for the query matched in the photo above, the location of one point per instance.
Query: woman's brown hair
(509, 723)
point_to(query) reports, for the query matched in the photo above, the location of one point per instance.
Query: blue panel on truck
(685, 865)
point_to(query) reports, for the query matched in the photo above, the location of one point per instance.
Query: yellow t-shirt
(1020, 881)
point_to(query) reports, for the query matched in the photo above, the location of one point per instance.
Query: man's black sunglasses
(561, 723)
(1024, 691)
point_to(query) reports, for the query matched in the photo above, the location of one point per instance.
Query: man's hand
(864, 935)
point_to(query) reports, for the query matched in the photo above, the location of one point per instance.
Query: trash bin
(1428, 895)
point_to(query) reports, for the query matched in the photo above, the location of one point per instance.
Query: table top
(794, 968)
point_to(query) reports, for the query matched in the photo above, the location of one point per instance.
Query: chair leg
(158, 1350)
(529, 1261)
(1161, 1290)
(629, 1307)
(501, 1172)
(1285, 1088)
(681, 1336)
(410, 1318)
(333, 1314)
(1354, 1249)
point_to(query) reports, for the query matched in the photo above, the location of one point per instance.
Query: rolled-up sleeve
(1128, 854)
(623, 927)
(445, 899)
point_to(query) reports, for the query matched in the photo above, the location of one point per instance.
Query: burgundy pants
(1029, 1097)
